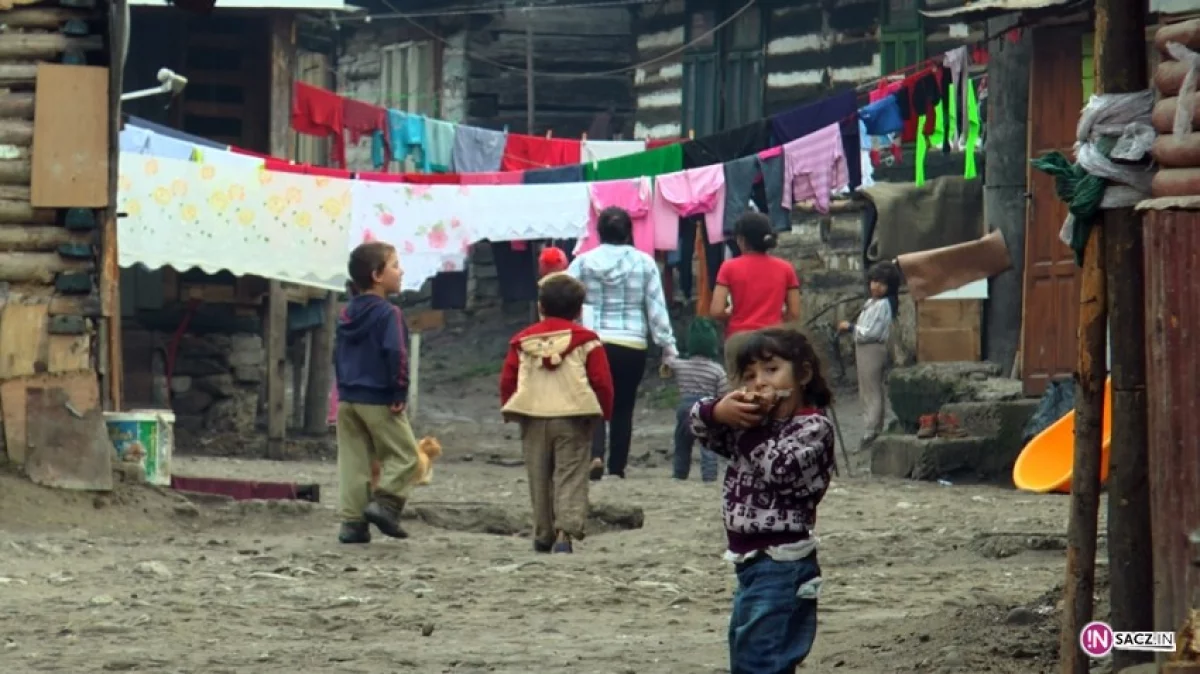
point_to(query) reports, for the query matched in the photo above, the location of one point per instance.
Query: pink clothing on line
(884, 90)
(771, 152)
(814, 167)
(633, 195)
(698, 191)
(497, 178)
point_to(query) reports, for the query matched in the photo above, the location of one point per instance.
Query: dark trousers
(684, 441)
(627, 367)
(714, 255)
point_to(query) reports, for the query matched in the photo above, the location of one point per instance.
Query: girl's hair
(889, 275)
(366, 260)
(702, 339)
(755, 229)
(792, 346)
(614, 226)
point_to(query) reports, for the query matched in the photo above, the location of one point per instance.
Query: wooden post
(320, 370)
(414, 373)
(529, 99)
(110, 274)
(1121, 68)
(1085, 476)
(283, 58)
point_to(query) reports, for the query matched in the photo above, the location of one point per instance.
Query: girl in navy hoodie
(371, 360)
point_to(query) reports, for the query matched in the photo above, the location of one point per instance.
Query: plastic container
(146, 437)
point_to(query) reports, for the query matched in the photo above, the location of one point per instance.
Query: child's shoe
(542, 548)
(563, 544)
(948, 427)
(354, 533)
(928, 428)
(384, 513)
(597, 470)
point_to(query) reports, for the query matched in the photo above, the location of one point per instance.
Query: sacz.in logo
(1097, 640)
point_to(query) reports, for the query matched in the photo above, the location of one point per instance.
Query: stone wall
(217, 382)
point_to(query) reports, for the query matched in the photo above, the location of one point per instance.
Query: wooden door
(1051, 277)
(227, 64)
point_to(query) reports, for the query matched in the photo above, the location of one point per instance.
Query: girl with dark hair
(871, 331)
(756, 289)
(624, 302)
(779, 444)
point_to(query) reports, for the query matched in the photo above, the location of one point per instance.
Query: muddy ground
(920, 577)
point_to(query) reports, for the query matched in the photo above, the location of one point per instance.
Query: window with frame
(901, 35)
(743, 74)
(701, 101)
(723, 72)
(407, 78)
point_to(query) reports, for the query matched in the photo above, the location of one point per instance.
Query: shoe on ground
(928, 428)
(354, 533)
(597, 470)
(948, 427)
(384, 513)
(542, 548)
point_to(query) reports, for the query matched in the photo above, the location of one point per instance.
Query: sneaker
(948, 426)
(354, 533)
(928, 428)
(597, 470)
(384, 513)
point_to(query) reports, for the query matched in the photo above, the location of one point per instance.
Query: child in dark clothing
(556, 383)
(700, 375)
(371, 360)
(780, 447)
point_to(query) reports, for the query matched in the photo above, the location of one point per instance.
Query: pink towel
(813, 167)
(698, 191)
(633, 195)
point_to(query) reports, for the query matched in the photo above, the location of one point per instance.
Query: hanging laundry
(496, 178)
(665, 159)
(439, 144)
(958, 63)
(363, 119)
(318, 112)
(423, 222)
(743, 141)
(562, 174)
(771, 167)
(655, 143)
(837, 109)
(885, 88)
(143, 141)
(525, 153)
(944, 125)
(525, 212)
(170, 132)
(868, 169)
(635, 196)
(920, 94)
(405, 135)
(882, 117)
(412, 178)
(814, 167)
(714, 255)
(477, 150)
(599, 150)
(694, 192)
(227, 158)
(248, 221)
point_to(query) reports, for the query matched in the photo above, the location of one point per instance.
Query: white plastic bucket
(146, 437)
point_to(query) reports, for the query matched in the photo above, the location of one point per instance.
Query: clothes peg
(506, 129)
(691, 134)
(549, 133)
(583, 138)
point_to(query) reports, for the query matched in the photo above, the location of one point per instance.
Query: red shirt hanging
(522, 152)
(362, 119)
(319, 112)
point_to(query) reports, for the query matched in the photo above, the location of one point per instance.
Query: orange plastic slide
(1045, 464)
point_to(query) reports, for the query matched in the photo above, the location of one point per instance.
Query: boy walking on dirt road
(371, 359)
(556, 383)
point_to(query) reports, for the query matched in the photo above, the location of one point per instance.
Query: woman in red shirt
(762, 289)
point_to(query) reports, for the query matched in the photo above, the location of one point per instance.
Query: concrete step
(1003, 420)
(973, 458)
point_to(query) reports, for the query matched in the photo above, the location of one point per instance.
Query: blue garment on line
(407, 132)
(882, 117)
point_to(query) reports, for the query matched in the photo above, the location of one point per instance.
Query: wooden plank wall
(574, 40)
(50, 307)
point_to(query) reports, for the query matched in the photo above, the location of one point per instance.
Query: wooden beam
(38, 238)
(38, 267)
(43, 46)
(1120, 69)
(320, 370)
(44, 17)
(282, 59)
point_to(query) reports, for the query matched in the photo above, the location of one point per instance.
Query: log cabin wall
(52, 326)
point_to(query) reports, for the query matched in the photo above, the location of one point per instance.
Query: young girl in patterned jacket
(779, 443)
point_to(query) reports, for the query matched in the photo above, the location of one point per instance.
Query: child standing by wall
(371, 361)
(700, 375)
(556, 384)
(871, 331)
(780, 446)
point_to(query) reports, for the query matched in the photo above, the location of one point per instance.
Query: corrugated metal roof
(984, 8)
(332, 5)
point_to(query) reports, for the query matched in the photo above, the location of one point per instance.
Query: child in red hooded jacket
(556, 384)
